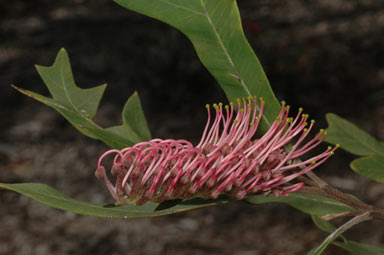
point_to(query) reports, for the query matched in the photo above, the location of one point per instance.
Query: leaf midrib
(47, 198)
(77, 111)
(362, 139)
(67, 93)
(336, 203)
(229, 58)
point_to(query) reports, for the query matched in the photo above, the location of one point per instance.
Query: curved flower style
(227, 160)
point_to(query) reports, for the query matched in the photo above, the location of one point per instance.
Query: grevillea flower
(228, 159)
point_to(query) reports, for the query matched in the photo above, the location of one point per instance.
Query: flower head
(228, 159)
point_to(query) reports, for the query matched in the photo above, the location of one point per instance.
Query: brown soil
(326, 56)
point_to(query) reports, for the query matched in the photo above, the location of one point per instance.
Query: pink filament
(228, 159)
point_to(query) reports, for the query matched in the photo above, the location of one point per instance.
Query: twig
(320, 182)
(352, 222)
(333, 216)
(333, 193)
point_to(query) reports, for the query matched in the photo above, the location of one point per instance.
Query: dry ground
(326, 56)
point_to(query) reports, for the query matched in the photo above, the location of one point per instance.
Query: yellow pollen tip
(288, 107)
(242, 110)
(249, 105)
(220, 105)
(313, 121)
(321, 131)
(329, 148)
(251, 124)
(301, 109)
(207, 106)
(283, 103)
(235, 121)
(313, 162)
(231, 104)
(325, 132)
(332, 153)
(226, 107)
(337, 146)
(305, 124)
(257, 118)
(249, 98)
(305, 130)
(238, 100)
(255, 97)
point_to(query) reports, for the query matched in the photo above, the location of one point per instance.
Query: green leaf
(356, 248)
(320, 249)
(134, 125)
(308, 203)
(324, 225)
(370, 166)
(79, 106)
(215, 30)
(339, 231)
(351, 138)
(49, 196)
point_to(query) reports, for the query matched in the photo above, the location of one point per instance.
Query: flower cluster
(228, 159)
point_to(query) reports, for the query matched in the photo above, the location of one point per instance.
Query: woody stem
(327, 190)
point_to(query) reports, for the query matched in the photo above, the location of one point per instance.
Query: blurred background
(325, 56)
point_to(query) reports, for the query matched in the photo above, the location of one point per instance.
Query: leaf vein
(228, 56)
(182, 7)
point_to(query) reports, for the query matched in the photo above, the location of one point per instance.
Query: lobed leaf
(215, 30)
(79, 106)
(351, 138)
(51, 197)
(370, 166)
(308, 203)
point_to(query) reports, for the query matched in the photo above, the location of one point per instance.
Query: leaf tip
(62, 54)
(14, 86)
(330, 115)
(23, 91)
(38, 67)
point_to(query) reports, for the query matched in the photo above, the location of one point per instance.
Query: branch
(349, 224)
(333, 193)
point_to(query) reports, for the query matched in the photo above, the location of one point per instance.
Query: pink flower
(228, 159)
